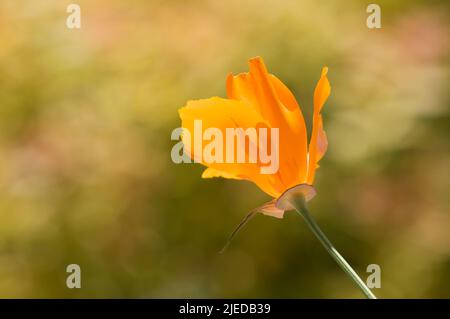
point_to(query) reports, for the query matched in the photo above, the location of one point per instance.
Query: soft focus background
(85, 169)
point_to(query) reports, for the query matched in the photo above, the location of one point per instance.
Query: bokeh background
(85, 169)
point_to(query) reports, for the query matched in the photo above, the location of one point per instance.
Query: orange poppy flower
(259, 99)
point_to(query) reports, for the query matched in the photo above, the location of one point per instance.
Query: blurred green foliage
(85, 169)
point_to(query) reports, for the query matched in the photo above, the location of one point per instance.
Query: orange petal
(275, 102)
(283, 93)
(318, 144)
(296, 140)
(241, 87)
(212, 172)
(221, 114)
(269, 105)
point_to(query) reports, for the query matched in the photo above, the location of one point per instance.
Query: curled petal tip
(257, 62)
(256, 58)
(324, 70)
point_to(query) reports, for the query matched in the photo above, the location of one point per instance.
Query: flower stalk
(299, 203)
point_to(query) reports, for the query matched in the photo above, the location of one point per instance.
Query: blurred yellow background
(86, 175)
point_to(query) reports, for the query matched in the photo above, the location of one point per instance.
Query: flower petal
(275, 102)
(318, 144)
(221, 114)
(212, 172)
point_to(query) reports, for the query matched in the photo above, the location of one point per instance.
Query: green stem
(300, 206)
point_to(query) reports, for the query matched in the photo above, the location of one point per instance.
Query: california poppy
(260, 99)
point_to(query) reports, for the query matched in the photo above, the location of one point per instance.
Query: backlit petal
(222, 114)
(275, 102)
(212, 172)
(318, 144)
